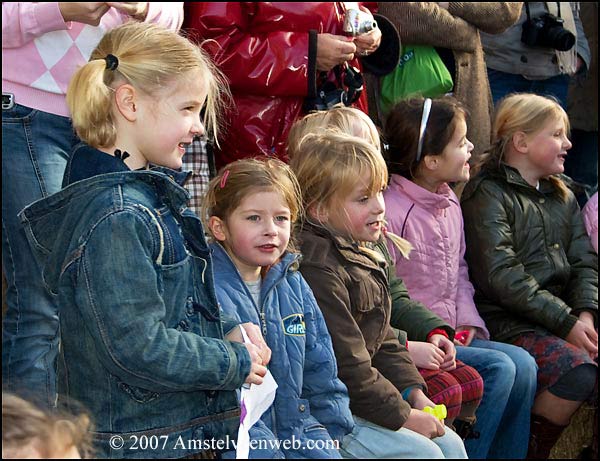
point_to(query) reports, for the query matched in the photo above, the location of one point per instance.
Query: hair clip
(224, 178)
(112, 62)
(121, 155)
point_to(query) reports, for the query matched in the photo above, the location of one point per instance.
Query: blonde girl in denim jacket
(143, 344)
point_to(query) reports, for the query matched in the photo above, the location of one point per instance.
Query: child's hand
(426, 355)
(418, 399)
(449, 361)
(470, 335)
(585, 337)
(425, 424)
(257, 370)
(255, 337)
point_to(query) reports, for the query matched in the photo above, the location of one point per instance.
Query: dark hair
(401, 131)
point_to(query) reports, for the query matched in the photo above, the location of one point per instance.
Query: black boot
(464, 428)
(542, 438)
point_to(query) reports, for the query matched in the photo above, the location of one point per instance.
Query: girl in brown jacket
(342, 178)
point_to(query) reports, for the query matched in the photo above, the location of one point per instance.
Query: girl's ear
(431, 162)
(217, 228)
(318, 213)
(125, 98)
(519, 141)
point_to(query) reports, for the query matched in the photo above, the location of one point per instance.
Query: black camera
(330, 93)
(547, 31)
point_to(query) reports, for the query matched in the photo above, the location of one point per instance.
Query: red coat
(263, 49)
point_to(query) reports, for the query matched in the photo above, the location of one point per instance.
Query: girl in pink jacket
(427, 148)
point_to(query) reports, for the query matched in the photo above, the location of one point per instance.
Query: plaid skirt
(460, 389)
(554, 356)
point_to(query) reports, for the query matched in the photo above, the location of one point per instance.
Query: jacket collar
(226, 267)
(349, 249)
(87, 162)
(429, 200)
(511, 176)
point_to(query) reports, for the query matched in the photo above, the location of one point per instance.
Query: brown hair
(401, 131)
(238, 179)
(521, 112)
(50, 435)
(150, 58)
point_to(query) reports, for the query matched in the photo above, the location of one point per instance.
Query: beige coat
(583, 92)
(456, 28)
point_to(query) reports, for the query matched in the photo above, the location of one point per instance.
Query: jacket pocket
(367, 295)
(138, 394)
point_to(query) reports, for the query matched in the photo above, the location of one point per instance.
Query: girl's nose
(198, 129)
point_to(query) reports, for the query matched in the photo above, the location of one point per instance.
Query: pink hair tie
(224, 179)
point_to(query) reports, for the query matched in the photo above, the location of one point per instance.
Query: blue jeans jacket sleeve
(119, 295)
(327, 395)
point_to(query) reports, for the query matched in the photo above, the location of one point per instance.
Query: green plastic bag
(421, 72)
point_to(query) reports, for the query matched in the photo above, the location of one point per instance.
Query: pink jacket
(590, 217)
(40, 51)
(436, 273)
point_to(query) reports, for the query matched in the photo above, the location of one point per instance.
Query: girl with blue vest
(251, 207)
(142, 341)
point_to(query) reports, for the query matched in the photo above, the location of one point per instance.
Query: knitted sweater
(40, 51)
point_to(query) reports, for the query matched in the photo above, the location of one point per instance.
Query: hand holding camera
(333, 50)
(362, 26)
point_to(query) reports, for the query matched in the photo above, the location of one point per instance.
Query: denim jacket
(141, 332)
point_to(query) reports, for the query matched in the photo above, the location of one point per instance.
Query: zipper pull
(263, 323)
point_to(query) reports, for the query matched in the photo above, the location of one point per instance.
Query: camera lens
(561, 39)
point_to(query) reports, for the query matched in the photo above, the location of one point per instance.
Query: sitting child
(252, 206)
(342, 179)
(531, 261)
(450, 382)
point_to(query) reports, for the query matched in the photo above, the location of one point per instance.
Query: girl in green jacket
(531, 261)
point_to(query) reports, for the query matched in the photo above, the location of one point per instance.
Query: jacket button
(556, 246)
(542, 200)
(184, 325)
(302, 408)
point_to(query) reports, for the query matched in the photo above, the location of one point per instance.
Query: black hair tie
(112, 62)
(121, 155)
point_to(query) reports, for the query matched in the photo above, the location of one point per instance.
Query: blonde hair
(150, 58)
(342, 118)
(24, 426)
(241, 178)
(524, 112)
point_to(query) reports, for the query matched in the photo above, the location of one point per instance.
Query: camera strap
(567, 60)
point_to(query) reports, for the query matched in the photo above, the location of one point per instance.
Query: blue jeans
(370, 441)
(509, 384)
(35, 149)
(502, 84)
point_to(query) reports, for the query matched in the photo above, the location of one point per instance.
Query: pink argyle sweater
(40, 52)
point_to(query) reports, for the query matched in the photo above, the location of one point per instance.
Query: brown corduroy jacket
(353, 294)
(457, 28)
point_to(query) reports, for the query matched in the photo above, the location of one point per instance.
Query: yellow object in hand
(439, 411)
